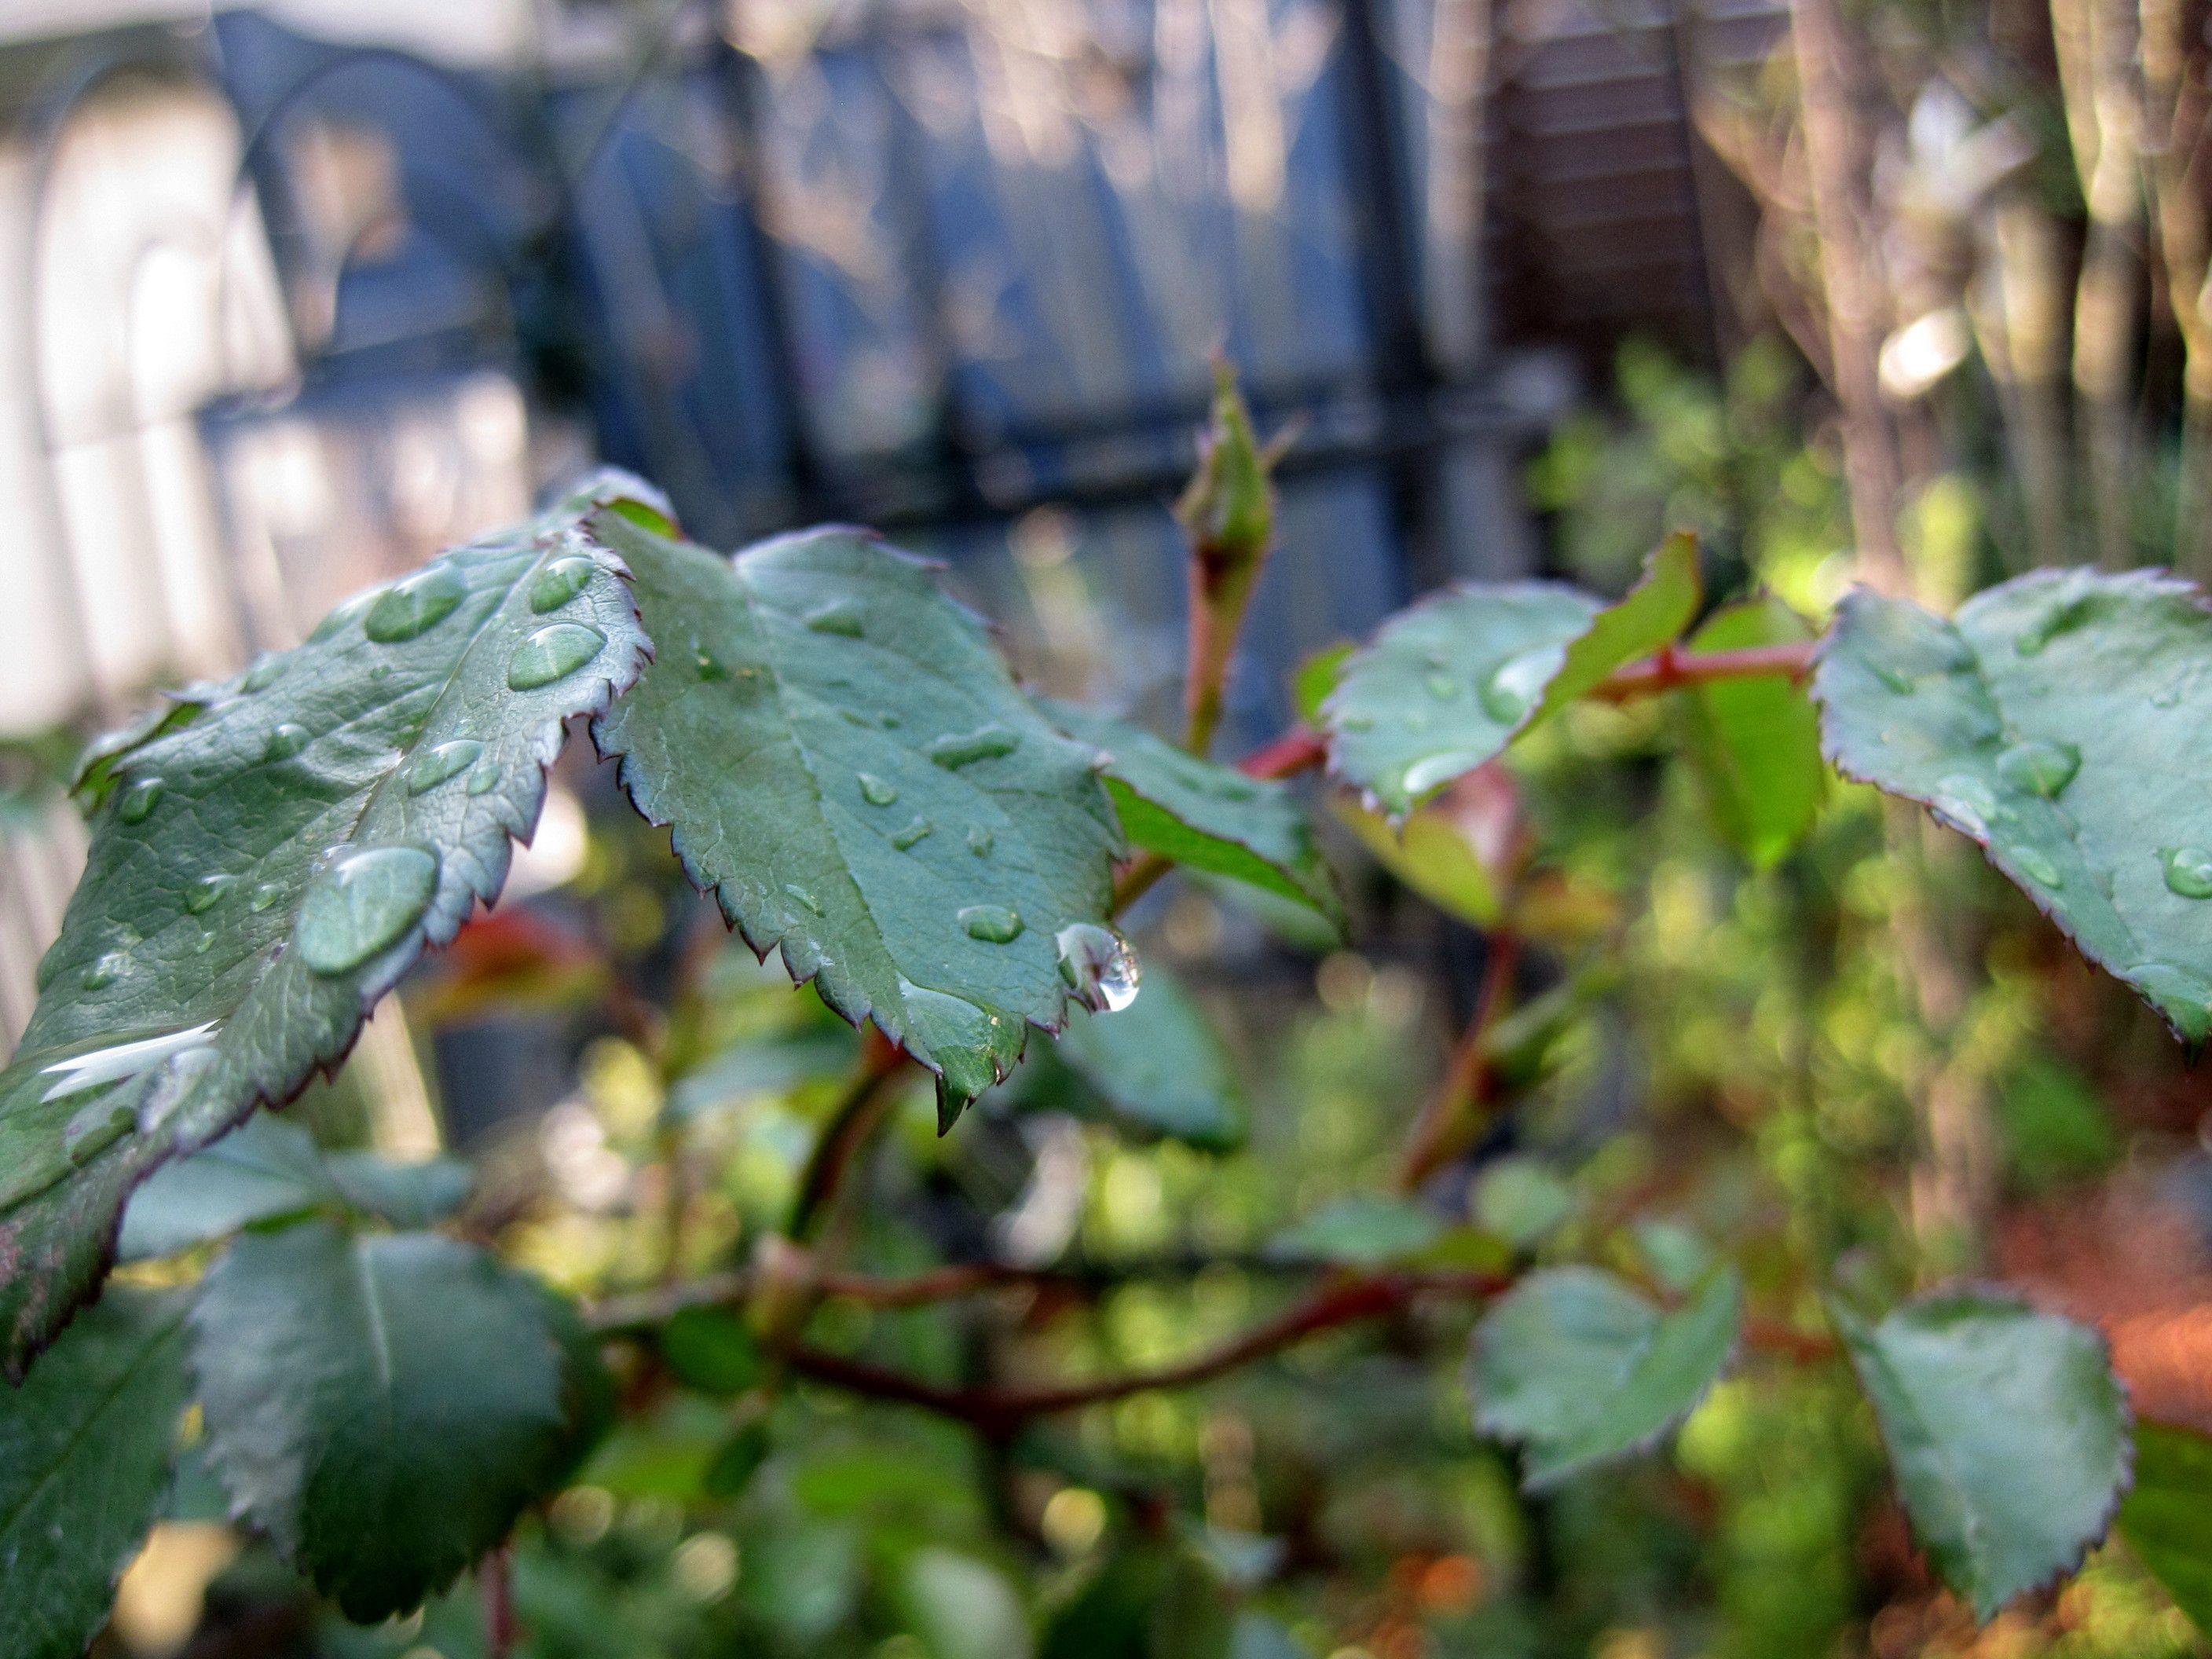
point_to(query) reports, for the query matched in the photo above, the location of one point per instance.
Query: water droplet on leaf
(838, 617)
(1511, 692)
(958, 748)
(264, 673)
(140, 799)
(2189, 871)
(285, 741)
(877, 791)
(264, 895)
(414, 605)
(803, 897)
(918, 831)
(365, 903)
(485, 778)
(2036, 867)
(553, 653)
(1443, 687)
(203, 894)
(993, 923)
(2040, 768)
(105, 970)
(434, 765)
(1967, 802)
(1098, 966)
(980, 840)
(560, 582)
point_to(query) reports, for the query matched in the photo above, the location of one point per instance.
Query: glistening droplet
(1098, 966)
(284, 741)
(364, 902)
(139, 800)
(553, 653)
(2189, 871)
(484, 778)
(2036, 867)
(2040, 768)
(1508, 694)
(806, 899)
(877, 791)
(1967, 802)
(913, 832)
(981, 839)
(560, 582)
(958, 748)
(105, 970)
(264, 895)
(993, 923)
(204, 894)
(838, 617)
(442, 761)
(414, 605)
(264, 673)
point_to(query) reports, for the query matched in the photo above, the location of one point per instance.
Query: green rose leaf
(884, 803)
(1755, 743)
(1160, 1065)
(1206, 815)
(2167, 1518)
(85, 1449)
(2007, 1432)
(1580, 1368)
(268, 858)
(2059, 720)
(1447, 683)
(1364, 1231)
(384, 1406)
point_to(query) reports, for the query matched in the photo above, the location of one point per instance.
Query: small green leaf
(2007, 1433)
(2167, 1518)
(737, 1460)
(1431, 855)
(1755, 742)
(1160, 1064)
(2060, 720)
(1206, 815)
(1521, 1199)
(886, 805)
(1447, 683)
(85, 1449)
(712, 1350)
(385, 1407)
(266, 861)
(1316, 676)
(1579, 1369)
(411, 1193)
(1366, 1231)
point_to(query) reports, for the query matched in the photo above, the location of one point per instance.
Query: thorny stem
(1671, 668)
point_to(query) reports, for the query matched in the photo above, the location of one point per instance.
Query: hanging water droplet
(981, 839)
(204, 894)
(838, 617)
(364, 904)
(266, 672)
(2040, 768)
(95, 1128)
(1099, 967)
(1443, 687)
(140, 799)
(993, 923)
(2189, 871)
(560, 582)
(285, 741)
(414, 605)
(804, 899)
(264, 895)
(553, 653)
(1511, 692)
(105, 970)
(877, 791)
(485, 777)
(435, 765)
(2036, 867)
(918, 831)
(957, 748)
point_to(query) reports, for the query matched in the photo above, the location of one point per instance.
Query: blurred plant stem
(1228, 514)
(847, 1128)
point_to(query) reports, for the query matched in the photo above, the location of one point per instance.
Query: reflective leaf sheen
(85, 1446)
(266, 860)
(383, 1407)
(877, 780)
(2064, 720)
(1580, 1368)
(2007, 1433)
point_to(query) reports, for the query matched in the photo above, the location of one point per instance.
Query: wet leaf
(2060, 720)
(266, 861)
(1449, 682)
(85, 1449)
(1579, 1368)
(2007, 1433)
(887, 806)
(384, 1406)
(1204, 814)
(1160, 1065)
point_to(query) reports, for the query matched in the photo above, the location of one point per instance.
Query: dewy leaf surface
(2007, 1433)
(1204, 814)
(269, 857)
(1447, 683)
(85, 1446)
(2064, 720)
(382, 1407)
(882, 803)
(1580, 1368)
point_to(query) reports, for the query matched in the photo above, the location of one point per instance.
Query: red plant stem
(1300, 749)
(1672, 668)
(498, 1605)
(851, 1123)
(1441, 1131)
